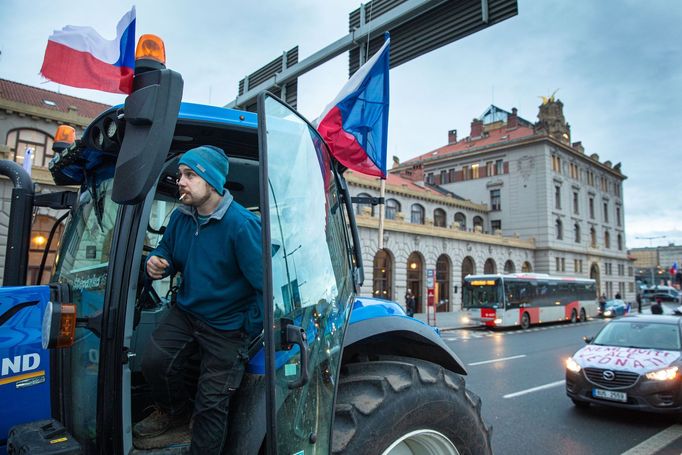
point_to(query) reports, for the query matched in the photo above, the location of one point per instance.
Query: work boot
(172, 440)
(159, 422)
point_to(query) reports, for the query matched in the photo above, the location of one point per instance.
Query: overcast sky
(617, 65)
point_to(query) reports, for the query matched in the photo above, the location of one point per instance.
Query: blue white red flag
(673, 269)
(355, 124)
(80, 57)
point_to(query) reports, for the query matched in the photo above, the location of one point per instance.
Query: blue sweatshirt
(221, 265)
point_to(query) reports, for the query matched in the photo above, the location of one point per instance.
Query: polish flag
(78, 56)
(355, 124)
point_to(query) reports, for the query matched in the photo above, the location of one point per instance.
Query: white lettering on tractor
(20, 364)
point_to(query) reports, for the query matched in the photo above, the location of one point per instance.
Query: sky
(616, 66)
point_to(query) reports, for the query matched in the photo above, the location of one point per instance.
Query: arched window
(620, 242)
(509, 266)
(468, 267)
(415, 271)
(392, 208)
(576, 230)
(593, 237)
(383, 275)
(526, 267)
(40, 234)
(417, 214)
(19, 140)
(478, 222)
(490, 267)
(360, 208)
(461, 220)
(559, 229)
(443, 280)
(439, 218)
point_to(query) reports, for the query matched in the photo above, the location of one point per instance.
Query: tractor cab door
(309, 285)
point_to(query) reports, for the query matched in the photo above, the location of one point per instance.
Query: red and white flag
(78, 56)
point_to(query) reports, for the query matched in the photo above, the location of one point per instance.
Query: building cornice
(403, 191)
(445, 233)
(38, 113)
(501, 146)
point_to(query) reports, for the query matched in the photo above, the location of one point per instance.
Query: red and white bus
(522, 299)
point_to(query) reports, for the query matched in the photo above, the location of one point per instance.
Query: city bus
(522, 299)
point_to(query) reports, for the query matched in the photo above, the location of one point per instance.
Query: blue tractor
(331, 373)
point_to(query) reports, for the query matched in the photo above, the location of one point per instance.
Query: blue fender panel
(381, 327)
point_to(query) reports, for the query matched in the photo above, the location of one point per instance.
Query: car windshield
(636, 334)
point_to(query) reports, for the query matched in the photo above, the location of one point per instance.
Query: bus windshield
(484, 293)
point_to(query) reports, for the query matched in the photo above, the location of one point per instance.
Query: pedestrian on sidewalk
(410, 303)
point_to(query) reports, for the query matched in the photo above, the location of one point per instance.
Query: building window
(465, 173)
(478, 222)
(383, 275)
(619, 239)
(559, 229)
(444, 177)
(451, 175)
(40, 143)
(489, 168)
(607, 239)
(474, 171)
(495, 204)
(593, 238)
(560, 264)
(576, 230)
(392, 209)
(578, 265)
(618, 223)
(556, 164)
(417, 214)
(361, 208)
(557, 197)
(461, 220)
(499, 167)
(590, 178)
(576, 205)
(429, 178)
(592, 208)
(496, 225)
(439, 219)
(606, 212)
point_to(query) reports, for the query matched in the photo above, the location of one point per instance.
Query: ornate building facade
(29, 117)
(512, 196)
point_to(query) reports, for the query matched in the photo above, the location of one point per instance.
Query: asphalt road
(519, 375)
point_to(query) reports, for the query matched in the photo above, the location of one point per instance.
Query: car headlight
(608, 313)
(572, 365)
(666, 374)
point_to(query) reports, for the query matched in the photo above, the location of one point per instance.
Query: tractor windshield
(82, 263)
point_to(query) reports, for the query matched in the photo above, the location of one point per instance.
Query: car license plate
(610, 395)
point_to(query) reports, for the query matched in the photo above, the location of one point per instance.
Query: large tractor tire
(400, 405)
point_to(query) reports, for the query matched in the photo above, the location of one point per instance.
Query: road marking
(535, 389)
(497, 360)
(656, 442)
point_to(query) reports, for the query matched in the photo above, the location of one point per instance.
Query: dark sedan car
(633, 362)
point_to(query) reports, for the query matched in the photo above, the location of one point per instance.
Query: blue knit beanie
(210, 163)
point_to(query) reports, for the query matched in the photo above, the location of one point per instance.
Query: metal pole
(382, 213)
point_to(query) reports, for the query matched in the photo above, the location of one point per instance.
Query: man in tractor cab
(215, 243)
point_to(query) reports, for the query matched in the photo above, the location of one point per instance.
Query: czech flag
(80, 57)
(355, 124)
(673, 270)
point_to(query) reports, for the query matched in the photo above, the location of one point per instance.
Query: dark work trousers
(223, 357)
